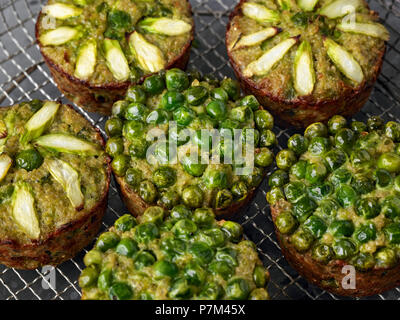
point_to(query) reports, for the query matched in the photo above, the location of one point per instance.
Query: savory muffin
(96, 49)
(308, 60)
(335, 202)
(181, 254)
(187, 139)
(54, 179)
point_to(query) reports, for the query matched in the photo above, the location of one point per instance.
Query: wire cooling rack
(24, 76)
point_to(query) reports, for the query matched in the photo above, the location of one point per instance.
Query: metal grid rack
(24, 76)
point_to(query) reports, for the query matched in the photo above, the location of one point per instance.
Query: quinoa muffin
(182, 138)
(308, 60)
(335, 202)
(173, 255)
(96, 49)
(54, 179)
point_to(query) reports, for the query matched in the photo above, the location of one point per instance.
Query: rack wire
(24, 76)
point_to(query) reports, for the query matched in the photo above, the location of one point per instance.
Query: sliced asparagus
(24, 210)
(5, 164)
(285, 4)
(86, 61)
(304, 74)
(370, 29)
(40, 121)
(68, 144)
(3, 129)
(259, 12)
(116, 60)
(257, 37)
(67, 176)
(307, 5)
(166, 26)
(149, 56)
(344, 61)
(62, 11)
(340, 8)
(263, 64)
(58, 36)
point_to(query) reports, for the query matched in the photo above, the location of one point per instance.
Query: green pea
(299, 169)
(118, 108)
(303, 208)
(267, 138)
(285, 159)
(368, 208)
(194, 274)
(125, 223)
(172, 100)
(107, 240)
(250, 101)
(375, 123)
(223, 199)
(285, 223)
(383, 178)
(153, 214)
(213, 237)
(133, 129)
(133, 177)
(263, 157)
(164, 177)
(29, 159)
(358, 127)
(319, 192)
(114, 146)
(250, 135)
(211, 291)
(138, 148)
(316, 226)
(385, 258)
(168, 199)
(92, 257)
(302, 240)
(392, 130)
(344, 139)
(180, 212)
(316, 172)
(176, 79)
(233, 230)
(192, 196)
(197, 95)
(278, 179)
(172, 247)
(180, 289)
(294, 190)
(241, 114)
(259, 277)
(274, 195)
(164, 269)
(239, 190)
(144, 259)
(222, 268)
(237, 289)
(341, 228)
(136, 111)
(231, 87)
(136, 94)
(219, 94)
(127, 247)
(88, 277)
(389, 161)
(164, 152)
(158, 116)
(253, 179)
(365, 233)
(105, 279)
(120, 291)
(203, 216)
(392, 233)
(322, 253)
(264, 120)
(364, 261)
(184, 228)
(183, 116)
(327, 208)
(201, 252)
(391, 207)
(336, 123)
(113, 127)
(319, 145)
(317, 129)
(154, 84)
(146, 232)
(334, 159)
(298, 144)
(344, 248)
(216, 109)
(340, 176)
(346, 195)
(362, 185)
(229, 255)
(216, 179)
(397, 183)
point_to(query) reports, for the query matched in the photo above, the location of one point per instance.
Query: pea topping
(164, 177)
(344, 248)
(237, 289)
(144, 259)
(165, 268)
(298, 143)
(368, 208)
(154, 84)
(389, 161)
(365, 233)
(285, 159)
(114, 146)
(216, 109)
(125, 223)
(113, 127)
(136, 94)
(127, 247)
(148, 191)
(302, 240)
(172, 100)
(88, 277)
(107, 240)
(278, 178)
(233, 230)
(231, 87)
(342, 228)
(29, 159)
(336, 123)
(317, 129)
(192, 196)
(263, 119)
(322, 253)
(176, 79)
(250, 101)
(146, 232)
(285, 223)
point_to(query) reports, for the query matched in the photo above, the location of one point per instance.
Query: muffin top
(308, 49)
(53, 169)
(336, 192)
(188, 139)
(114, 41)
(173, 255)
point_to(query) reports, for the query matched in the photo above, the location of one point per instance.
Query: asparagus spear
(263, 64)
(256, 37)
(304, 74)
(24, 211)
(116, 60)
(370, 29)
(340, 8)
(68, 177)
(166, 26)
(86, 61)
(149, 56)
(259, 12)
(307, 5)
(5, 164)
(62, 11)
(58, 36)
